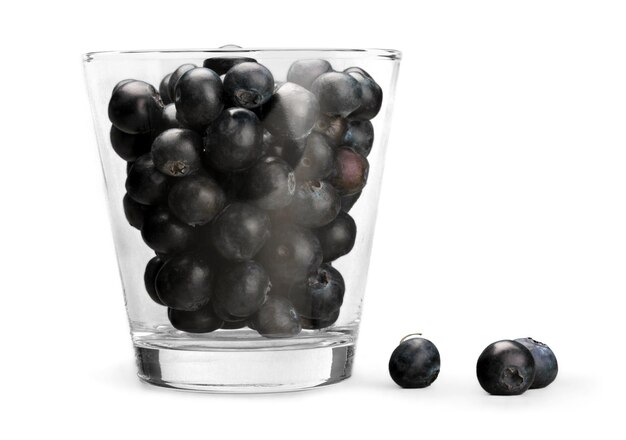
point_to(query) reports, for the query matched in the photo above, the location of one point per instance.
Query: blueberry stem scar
(409, 336)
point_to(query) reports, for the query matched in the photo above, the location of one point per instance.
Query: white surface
(502, 215)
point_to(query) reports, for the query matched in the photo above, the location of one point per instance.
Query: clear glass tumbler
(243, 188)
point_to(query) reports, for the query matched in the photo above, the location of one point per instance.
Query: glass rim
(338, 53)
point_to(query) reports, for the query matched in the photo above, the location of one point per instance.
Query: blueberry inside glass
(240, 180)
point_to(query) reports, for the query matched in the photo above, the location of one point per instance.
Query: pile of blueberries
(504, 368)
(242, 187)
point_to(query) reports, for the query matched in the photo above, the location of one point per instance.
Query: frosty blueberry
(249, 84)
(135, 107)
(415, 363)
(505, 368)
(184, 282)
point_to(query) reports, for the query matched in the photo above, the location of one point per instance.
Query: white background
(502, 215)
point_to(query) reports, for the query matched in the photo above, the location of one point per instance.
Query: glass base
(241, 366)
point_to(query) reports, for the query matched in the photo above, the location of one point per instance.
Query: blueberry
(221, 65)
(185, 282)
(351, 170)
(291, 254)
(290, 150)
(291, 113)
(337, 238)
(505, 368)
(169, 119)
(196, 199)
(235, 141)
(372, 94)
(164, 89)
(234, 325)
(360, 137)
(135, 107)
(134, 212)
(277, 318)
(240, 231)
(198, 97)
(176, 152)
(316, 203)
(415, 363)
(249, 84)
(165, 234)
(333, 128)
(202, 320)
(338, 93)
(317, 160)
(175, 76)
(145, 184)
(120, 84)
(269, 184)
(241, 288)
(320, 295)
(546, 366)
(222, 314)
(317, 324)
(149, 278)
(129, 146)
(347, 202)
(304, 72)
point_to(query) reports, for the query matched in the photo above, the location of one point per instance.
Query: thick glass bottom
(243, 364)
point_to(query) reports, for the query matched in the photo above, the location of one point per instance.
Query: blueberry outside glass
(243, 186)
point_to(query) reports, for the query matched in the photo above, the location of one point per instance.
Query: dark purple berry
(120, 84)
(333, 128)
(149, 278)
(185, 282)
(196, 199)
(134, 212)
(234, 141)
(316, 203)
(337, 238)
(241, 288)
(202, 320)
(290, 150)
(169, 119)
(505, 368)
(175, 76)
(249, 84)
(164, 89)
(351, 170)
(176, 152)
(291, 113)
(304, 72)
(269, 184)
(165, 234)
(135, 107)
(338, 93)
(347, 202)
(234, 325)
(291, 254)
(129, 146)
(240, 231)
(221, 65)
(145, 184)
(546, 366)
(415, 363)
(360, 137)
(317, 324)
(371, 94)
(317, 161)
(320, 295)
(198, 97)
(277, 318)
